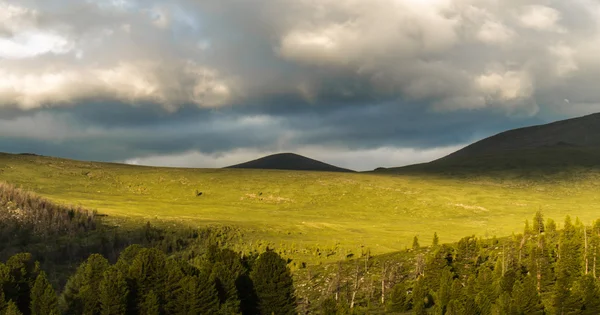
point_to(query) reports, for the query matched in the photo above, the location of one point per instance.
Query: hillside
(554, 147)
(311, 216)
(289, 161)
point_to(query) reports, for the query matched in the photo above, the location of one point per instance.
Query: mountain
(565, 143)
(289, 161)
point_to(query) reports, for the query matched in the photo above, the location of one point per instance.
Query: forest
(65, 260)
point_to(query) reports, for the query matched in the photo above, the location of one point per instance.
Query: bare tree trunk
(383, 279)
(337, 281)
(367, 260)
(523, 240)
(503, 259)
(585, 249)
(356, 279)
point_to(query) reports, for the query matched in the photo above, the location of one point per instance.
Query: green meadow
(311, 217)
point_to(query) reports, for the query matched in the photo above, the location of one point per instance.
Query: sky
(359, 84)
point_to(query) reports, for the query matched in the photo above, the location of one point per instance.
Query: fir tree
(445, 291)
(399, 301)
(150, 304)
(12, 309)
(2, 299)
(455, 308)
(197, 296)
(149, 272)
(420, 297)
(113, 292)
(415, 243)
(436, 239)
(20, 274)
(568, 267)
(587, 292)
(329, 307)
(525, 298)
(82, 291)
(538, 223)
(273, 284)
(43, 297)
(484, 304)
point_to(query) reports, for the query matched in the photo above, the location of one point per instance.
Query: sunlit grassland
(312, 216)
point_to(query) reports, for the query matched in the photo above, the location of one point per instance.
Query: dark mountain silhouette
(565, 143)
(289, 161)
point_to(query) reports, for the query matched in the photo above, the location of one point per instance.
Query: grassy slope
(303, 211)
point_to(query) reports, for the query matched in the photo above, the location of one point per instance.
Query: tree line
(147, 281)
(543, 270)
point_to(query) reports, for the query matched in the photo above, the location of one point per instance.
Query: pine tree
(455, 308)
(586, 291)
(150, 304)
(445, 291)
(12, 309)
(43, 297)
(198, 295)
(20, 273)
(2, 299)
(415, 244)
(484, 304)
(420, 297)
(436, 239)
(149, 272)
(113, 292)
(273, 284)
(434, 266)
(82, 291)
(399, 301)
(525, 298)
(538, 223)
(568, 267)
(329, 307)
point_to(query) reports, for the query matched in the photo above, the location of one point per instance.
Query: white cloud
(541, 18)
(361, 160)
(495, 33)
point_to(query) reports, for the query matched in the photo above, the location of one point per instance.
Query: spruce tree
(538, 223)
(43, 297)
(586, 291)
(82, 291)
(329, 307)
(113, 292)
(149, 304)
(12, 309)
(455, 308)
(525, 298)
(198, 295)
(2, 299)
(21, 271)
(436, 239)
(420, 297)
(568, 267)
(445, 289)
(273, 284)
(149, 272)
(415, 244)
(399, 301)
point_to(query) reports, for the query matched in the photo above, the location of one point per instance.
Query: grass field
(315, 217)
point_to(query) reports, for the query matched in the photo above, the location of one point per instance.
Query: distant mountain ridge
(569, 142)
(289, 161)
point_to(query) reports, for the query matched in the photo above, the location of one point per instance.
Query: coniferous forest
(62, 260)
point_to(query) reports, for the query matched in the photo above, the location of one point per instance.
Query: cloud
(361, 160)
(123, 79)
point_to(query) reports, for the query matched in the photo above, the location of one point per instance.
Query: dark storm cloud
(127, 79)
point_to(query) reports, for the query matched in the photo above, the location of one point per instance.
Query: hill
(291, 162)
(312, 216)
(553, 147)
